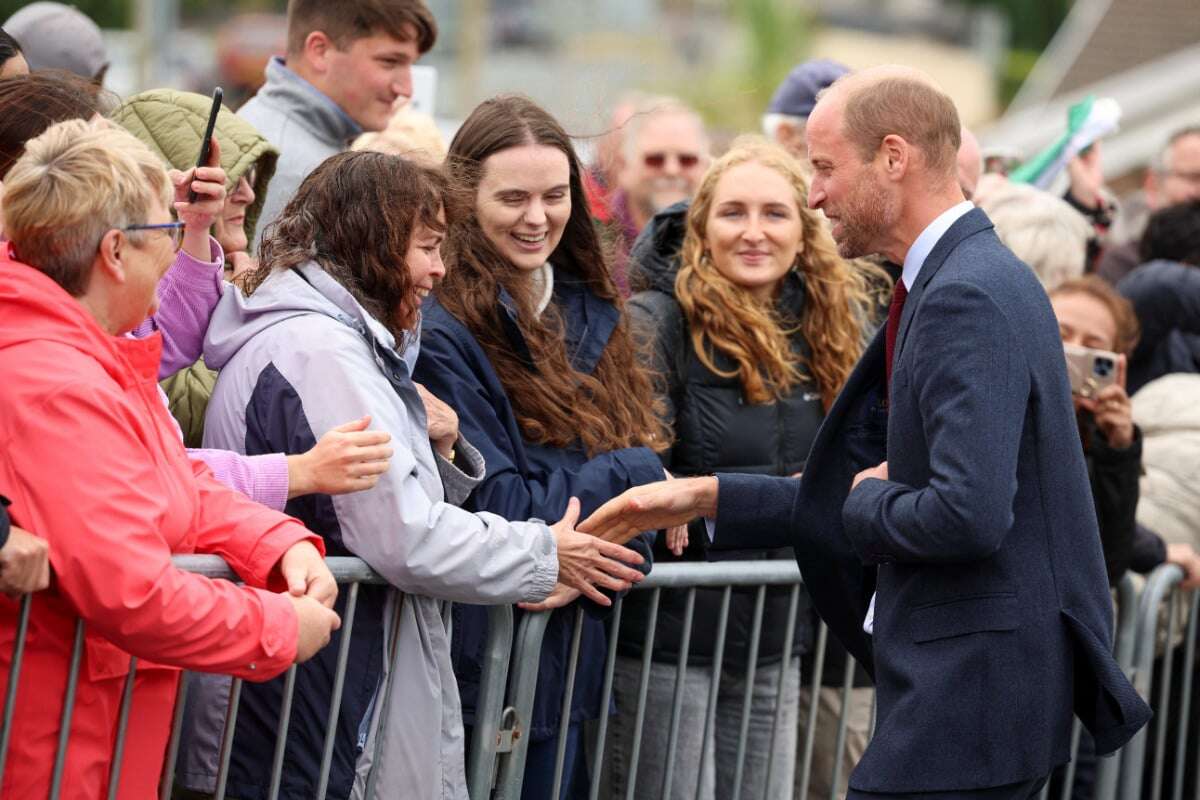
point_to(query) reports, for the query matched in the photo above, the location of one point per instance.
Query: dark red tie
(893, 325)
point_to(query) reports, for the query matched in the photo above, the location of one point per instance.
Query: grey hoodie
(295, 359)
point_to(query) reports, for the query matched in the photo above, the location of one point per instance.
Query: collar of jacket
(35, 308)
(588, 322)
(308, 106)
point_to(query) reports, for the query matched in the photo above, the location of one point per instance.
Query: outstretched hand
(588, 564)
(653, 506)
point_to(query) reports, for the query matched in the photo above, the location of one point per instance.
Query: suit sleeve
(102, 518)
(971, 385)
(420, 544)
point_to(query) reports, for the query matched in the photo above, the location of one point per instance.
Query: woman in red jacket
(91, 462)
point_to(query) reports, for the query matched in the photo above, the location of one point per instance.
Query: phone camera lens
(1103, 367)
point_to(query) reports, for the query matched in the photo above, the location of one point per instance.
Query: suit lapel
(967, 225)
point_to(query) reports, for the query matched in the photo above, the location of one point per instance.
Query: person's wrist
(195, 242)
(706, 500)
(445, 447)
(298, 476)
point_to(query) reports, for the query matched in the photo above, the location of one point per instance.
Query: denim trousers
(721, 744)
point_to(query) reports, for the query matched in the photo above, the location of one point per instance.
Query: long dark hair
(29, 104)
(355, 215)
(554, 404)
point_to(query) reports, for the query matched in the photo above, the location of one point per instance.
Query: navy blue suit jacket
(993, 617)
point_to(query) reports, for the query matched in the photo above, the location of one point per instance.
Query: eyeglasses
(173, 229)
(659, 160)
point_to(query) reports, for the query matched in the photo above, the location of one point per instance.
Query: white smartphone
(1090, 370)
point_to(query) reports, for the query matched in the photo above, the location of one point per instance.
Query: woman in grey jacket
(330, 328)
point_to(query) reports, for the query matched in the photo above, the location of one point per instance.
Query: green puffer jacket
(172, 124)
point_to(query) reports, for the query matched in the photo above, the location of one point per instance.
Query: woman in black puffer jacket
(751, 340)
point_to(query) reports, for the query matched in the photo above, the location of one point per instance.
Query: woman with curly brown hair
(753, 331)
(525, 339)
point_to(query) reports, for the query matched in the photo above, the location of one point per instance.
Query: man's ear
(1150, 188)
(109, 260)
(317, 49)
(897, 156)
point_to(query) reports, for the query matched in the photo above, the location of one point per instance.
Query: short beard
(868, 216)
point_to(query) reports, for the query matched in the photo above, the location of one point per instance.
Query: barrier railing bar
(685, 644)
(345, 569)
(339, 681)
(114, 775)
(167, 786)
(1189, 659)
(610, 666)
(643, 687)
(64, 729)
(523, 686)
(1069, 777)
(1164, 697)
(814, 698)
(397, 598)
(481, 761)
(760, 601)
(285, 720)
(235, 699)
(564, 720)
(684, 575)
(789, 636)
(714, 686)
(14, 678)
(839, 747)
(1158, 584)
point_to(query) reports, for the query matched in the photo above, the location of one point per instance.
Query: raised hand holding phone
(200, 191)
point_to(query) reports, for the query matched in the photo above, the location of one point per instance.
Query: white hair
(772, 121)
(1041, 229)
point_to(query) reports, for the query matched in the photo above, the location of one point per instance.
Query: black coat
(715, 429)
(1166, 299)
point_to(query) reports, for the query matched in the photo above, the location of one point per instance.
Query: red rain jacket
(92, 462)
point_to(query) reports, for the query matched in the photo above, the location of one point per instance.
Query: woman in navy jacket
(525, 339)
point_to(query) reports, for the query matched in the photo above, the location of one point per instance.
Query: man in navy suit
(943, 524)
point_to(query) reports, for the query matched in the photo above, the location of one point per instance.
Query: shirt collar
(924, 244)
(313, 105)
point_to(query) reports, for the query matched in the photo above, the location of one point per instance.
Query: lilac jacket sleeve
(187, 294)
(264, 479)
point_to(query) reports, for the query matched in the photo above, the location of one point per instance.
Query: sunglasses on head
(659, 160)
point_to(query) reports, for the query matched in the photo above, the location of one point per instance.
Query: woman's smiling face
(524, 202)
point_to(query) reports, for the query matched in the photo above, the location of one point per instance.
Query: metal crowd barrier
(495, 764)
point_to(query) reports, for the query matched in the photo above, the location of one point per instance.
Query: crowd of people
(344, 336)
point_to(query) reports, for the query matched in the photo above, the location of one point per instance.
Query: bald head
(897, 101)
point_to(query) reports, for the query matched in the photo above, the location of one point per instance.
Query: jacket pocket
(964, 615)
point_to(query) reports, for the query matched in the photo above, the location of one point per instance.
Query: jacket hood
(172, 124)
(300, 291)
(36, 309)
(654, 259)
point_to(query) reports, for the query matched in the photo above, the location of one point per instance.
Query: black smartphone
(206, 144)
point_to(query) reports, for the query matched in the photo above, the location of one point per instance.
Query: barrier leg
(784, 663)
(813, 710)
(710, 708)
(643, 688)
(281, 733)
(610, 666)
(64, 728)
(564, 724)
(114, 775)
(335, 702)
(168, 778)
(14, 678)
(748, 698)
(677, 700)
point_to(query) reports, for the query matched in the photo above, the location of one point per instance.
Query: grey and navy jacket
(297, 358)
(306, 126)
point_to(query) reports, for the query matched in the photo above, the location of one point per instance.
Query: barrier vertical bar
(610, 666)
(168, 778)
(281, 733)
(335, 701)
(814, 695)
(493, 679)
(1069, 778)
(643, 687)
(385, 711)
(522, 689)
(114, 774)
(714, 686)
(235, 699)
(748, 696)
(784, 664)
(64, 727)
(1164, 698)
(1189, 660)
(685, 643)
(843, 719)
(564, 720)
(14, 678)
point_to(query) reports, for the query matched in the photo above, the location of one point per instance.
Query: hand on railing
(24, 563)
(586, 562)
(306, 574)
(561, 596)
(1188, 560)
(316, 626)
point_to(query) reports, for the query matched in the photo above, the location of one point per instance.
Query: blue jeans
(539, 766)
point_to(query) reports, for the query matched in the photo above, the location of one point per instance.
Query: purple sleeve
(187, 294)
(264, 479)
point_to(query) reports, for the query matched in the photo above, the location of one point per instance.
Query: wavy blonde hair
(840, 297)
